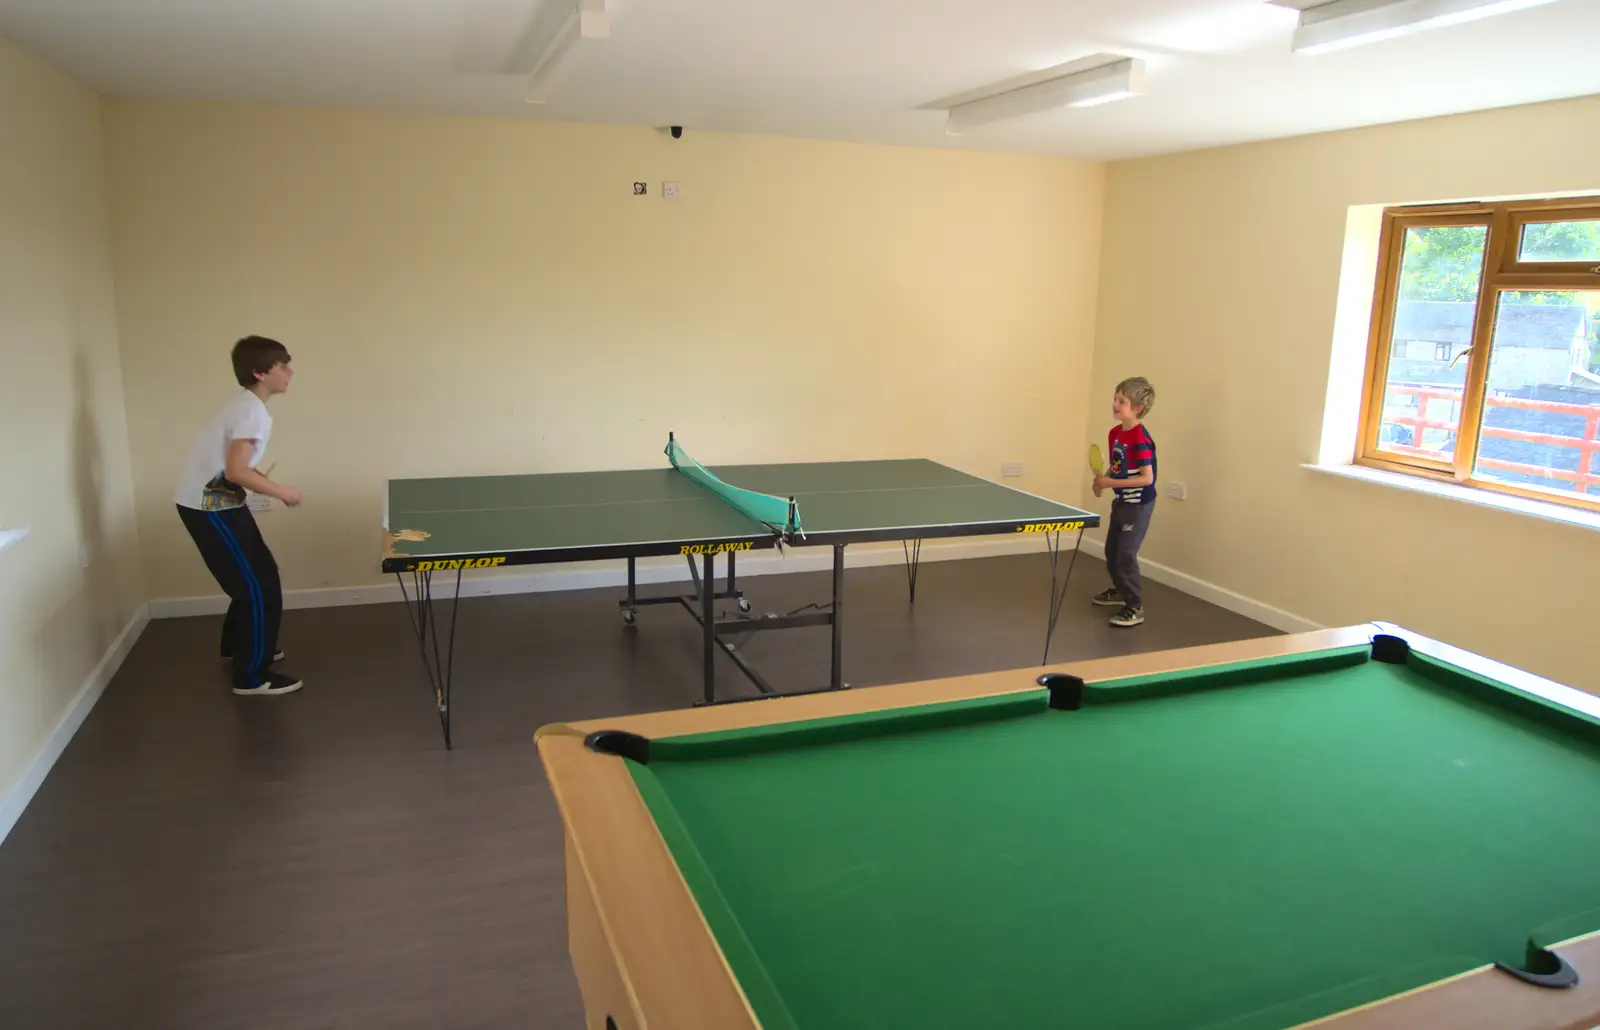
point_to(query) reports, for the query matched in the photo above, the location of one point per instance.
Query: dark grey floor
(197, 860)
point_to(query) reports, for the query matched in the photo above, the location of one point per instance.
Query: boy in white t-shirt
(211, 499)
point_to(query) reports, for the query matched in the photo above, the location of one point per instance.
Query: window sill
(1451, 491)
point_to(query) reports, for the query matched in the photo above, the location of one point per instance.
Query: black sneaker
(276, 683)
(1131, 615)
(277, 656)
(1109, 599)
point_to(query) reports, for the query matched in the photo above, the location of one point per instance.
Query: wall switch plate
(1011, 469)
(1178, 491)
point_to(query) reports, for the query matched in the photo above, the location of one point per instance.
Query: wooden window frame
(1501, 272)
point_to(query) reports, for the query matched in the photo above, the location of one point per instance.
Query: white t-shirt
(204, 485)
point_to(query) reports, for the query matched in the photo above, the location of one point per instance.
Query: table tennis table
(463, 523)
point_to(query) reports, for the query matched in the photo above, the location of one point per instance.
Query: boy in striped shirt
(1131, 476)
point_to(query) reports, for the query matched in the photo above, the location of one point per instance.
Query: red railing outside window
(1586, 475)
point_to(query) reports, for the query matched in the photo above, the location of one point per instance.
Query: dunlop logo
(716, 548)
(1050, 527)
(451, 564)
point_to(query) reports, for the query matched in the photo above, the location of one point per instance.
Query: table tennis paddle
(1097, 462)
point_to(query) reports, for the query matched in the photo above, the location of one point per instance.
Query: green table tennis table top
(484, 521)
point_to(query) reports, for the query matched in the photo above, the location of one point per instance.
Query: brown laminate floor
(197, 860)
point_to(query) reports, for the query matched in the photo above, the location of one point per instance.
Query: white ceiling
(1219, 71)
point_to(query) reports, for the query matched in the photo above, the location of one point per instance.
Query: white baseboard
(598, 575)
(18, 794)
(1222, 597)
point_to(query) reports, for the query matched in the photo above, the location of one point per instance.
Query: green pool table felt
(1242, 847)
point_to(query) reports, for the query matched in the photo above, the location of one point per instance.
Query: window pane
(1439, 275)
(1560, 241)
(1542, 405)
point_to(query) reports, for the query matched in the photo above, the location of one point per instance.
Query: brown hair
(256, 356)
(1139, 393)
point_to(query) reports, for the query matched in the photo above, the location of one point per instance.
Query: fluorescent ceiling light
(586, 25)
(1117, 80)
(1348, 23)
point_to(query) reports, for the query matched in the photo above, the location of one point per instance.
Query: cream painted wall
(64, 469)
(1220, 277)
(473, 296)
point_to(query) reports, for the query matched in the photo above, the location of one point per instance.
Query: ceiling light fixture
(1348, 23)
(584, 26)
(1118, 80)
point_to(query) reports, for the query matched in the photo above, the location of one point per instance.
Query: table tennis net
(778, 512)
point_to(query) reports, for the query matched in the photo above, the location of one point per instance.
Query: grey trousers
(1124, 533)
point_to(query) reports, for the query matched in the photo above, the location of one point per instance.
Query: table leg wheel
(744, 606)
(629, 616)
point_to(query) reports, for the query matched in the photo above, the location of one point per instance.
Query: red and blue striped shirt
(1130, 451)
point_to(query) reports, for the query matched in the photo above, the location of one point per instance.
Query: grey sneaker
(1131, 615)
(276, 683)
(1109, 599)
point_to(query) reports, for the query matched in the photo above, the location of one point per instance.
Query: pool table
(1354, 828)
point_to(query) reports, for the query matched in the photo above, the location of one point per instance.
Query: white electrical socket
(1011, 469)
(1178, 491)
(669, 189)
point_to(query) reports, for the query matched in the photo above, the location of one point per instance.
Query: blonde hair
(1139, 393)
